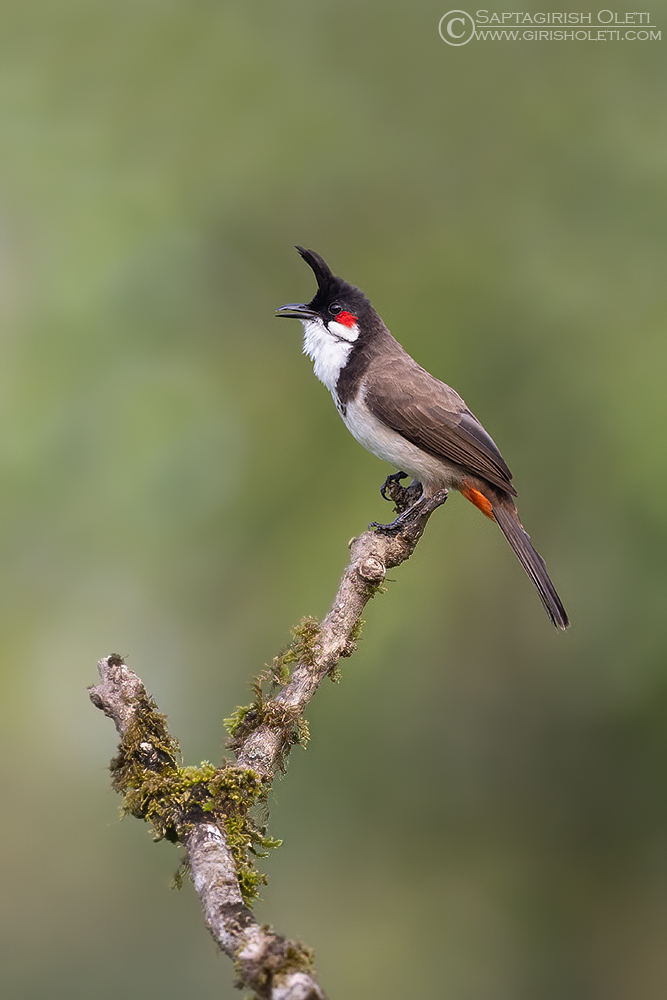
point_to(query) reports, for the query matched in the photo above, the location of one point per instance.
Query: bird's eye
(335, 308)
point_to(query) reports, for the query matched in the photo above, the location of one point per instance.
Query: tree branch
(373, 553)
(209, 810)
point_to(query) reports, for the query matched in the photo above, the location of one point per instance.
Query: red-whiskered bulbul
(405, 416)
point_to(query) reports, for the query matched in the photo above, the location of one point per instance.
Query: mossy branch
(212, 811)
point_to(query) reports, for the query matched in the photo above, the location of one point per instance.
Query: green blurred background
(481, 812)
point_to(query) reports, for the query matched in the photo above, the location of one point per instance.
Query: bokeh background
(481, 812)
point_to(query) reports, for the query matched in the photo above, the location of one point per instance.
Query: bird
(407, 417)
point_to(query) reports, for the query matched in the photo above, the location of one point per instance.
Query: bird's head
(338, 309)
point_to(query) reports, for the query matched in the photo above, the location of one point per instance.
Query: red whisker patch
(346, 318)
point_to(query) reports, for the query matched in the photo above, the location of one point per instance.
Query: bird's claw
(408, 514)
(391, 484)
(403, 497)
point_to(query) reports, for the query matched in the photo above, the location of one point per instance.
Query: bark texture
(208, 810)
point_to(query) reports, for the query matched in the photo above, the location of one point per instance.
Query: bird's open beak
(296, 310)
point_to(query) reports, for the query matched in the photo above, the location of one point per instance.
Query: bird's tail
(532, 562)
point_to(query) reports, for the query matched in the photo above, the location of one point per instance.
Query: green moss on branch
(173, 798)
(265, 709)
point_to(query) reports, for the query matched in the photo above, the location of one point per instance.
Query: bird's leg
(409, 502)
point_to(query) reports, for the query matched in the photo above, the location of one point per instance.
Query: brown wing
(434, 417)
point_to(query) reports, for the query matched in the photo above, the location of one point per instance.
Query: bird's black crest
(330, 286)
(321, 269)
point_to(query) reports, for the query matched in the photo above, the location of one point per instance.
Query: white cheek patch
(328, 352)
(346, 332)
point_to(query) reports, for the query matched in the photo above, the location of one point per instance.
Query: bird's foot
(409, 512)
(402, 497)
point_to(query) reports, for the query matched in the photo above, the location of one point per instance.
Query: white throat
(329, 347)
